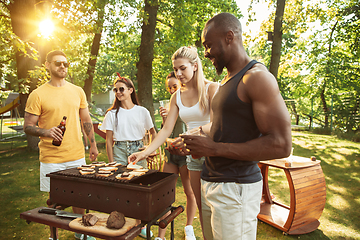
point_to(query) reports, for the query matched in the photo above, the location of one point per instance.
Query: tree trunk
(144, 66)
(22, 22)
(297, 117)
(94, 51)
(327, 78)
(277, 39)
(325, 107)
(91, 66)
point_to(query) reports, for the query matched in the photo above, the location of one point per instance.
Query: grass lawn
(19, 184)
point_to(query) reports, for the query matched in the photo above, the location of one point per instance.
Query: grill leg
(53, 229)
(172, 230)
(148, 236)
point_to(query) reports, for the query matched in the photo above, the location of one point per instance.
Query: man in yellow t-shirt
(45, 108)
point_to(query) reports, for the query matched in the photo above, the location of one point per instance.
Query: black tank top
(233, 122)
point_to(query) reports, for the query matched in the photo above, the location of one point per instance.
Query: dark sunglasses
(173, 87)
(120, 89)
(58, 63)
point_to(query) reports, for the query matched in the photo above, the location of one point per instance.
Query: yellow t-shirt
(51, 104)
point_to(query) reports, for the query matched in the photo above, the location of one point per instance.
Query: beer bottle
(63, 128)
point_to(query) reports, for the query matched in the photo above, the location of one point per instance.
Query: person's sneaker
(80, 236)
(189, 233)
(143, 233)
(158, 238)
(86, 148)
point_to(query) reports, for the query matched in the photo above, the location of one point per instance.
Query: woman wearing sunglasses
(126, 123)
(192, 103)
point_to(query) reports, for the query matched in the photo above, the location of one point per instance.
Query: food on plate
(115, 220)
(89, 219)
(87, 171)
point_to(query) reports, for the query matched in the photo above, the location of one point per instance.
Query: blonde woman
(177, 164)
(192, 103)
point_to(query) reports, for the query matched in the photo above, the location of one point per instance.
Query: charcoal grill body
(143, 198)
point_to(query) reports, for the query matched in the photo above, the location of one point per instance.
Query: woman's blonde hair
(191, 54)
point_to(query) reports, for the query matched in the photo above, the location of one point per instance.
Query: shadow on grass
(268, 232)
(341, 168)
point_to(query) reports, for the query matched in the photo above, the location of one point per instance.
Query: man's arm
(89, 131)
(31, 128)
(260, 89)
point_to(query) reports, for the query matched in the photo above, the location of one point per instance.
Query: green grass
(19, 184)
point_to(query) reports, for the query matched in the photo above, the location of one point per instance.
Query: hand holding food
(135, 157)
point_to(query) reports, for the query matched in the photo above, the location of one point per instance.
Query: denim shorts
(194, 164)
(123, 149)
(176, 160)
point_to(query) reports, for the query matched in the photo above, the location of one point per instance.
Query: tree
(146, 55)
(100, 6)
(277, 38)
(177, 24)
(22, 25)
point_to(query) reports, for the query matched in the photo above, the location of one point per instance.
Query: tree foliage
(318, 71)
(319, 60)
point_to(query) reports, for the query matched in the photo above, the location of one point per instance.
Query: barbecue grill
(145, 197)
(142, 197)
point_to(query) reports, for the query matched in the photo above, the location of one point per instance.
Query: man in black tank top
(250, 123)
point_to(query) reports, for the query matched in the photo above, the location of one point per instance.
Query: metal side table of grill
(63, 223)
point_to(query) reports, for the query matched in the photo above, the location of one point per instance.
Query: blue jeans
(123, 149)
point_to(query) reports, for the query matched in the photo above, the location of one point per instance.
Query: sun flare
(46, 28)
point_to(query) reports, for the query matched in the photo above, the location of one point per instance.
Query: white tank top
(192, 116)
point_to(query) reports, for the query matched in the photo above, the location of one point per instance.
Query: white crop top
(192, 116)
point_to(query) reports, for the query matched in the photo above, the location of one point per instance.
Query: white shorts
(46, 168)
(230, 210)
